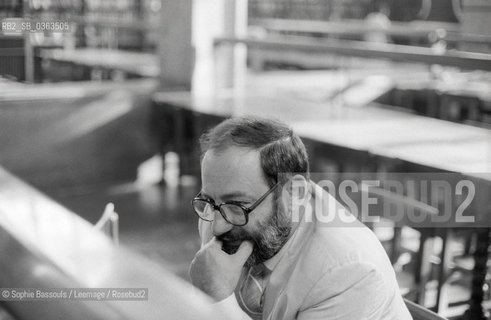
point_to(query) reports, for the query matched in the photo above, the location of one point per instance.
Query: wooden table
(430, 142)
(16, 91)
(418, 30)
(423, 141)
(142, 64)
(363, 49)
(446, 96)
(44, 245)
(414, 29)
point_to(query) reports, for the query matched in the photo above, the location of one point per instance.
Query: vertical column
(222, 67)
(28, 48)
(234, 57)
(481, 206)
(208, 23)
(475, 311)
(186, 49)
(175, 49)
(475, 18)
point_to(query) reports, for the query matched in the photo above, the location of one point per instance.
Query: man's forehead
(231, 170)
(232, 161)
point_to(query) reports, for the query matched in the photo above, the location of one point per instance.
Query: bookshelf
(128, 25)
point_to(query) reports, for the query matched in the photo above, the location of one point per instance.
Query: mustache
(231, 241)
(235, 235)
(268, 239)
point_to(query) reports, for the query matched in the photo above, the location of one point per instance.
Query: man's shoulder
(329, 248)
(319, 247)
(337, 237)
(341, 250)
(357, 287)
(348, 265)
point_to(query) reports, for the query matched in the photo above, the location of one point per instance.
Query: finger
(204, 228)
(244, 251)
(215, 242)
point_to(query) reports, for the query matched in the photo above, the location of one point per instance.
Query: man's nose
(220, 225)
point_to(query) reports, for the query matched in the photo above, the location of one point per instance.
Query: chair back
(421, 313)
(406, 211)
(403, 211)
(109, 223)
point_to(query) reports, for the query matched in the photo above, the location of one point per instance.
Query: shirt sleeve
(231, 309)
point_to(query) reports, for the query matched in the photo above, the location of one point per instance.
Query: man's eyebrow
(230, 196)
(235, 195)
(202, 193)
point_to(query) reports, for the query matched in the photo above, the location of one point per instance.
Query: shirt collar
(273, 262)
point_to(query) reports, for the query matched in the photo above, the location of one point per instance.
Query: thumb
(244, 251)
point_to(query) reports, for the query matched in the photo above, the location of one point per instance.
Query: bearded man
(255, 261)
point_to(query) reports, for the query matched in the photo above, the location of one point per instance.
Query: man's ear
(298, 186)
(296, 197)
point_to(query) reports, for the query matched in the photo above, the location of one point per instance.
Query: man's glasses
(233, 212)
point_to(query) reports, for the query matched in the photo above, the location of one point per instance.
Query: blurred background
(110, 111)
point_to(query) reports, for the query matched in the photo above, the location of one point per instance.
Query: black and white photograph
(245, 159)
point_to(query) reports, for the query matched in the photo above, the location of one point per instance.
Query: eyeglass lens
(231, 212)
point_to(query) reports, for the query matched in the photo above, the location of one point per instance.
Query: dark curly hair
(281, 150)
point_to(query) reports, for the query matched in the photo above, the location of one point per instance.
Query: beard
(267, 239)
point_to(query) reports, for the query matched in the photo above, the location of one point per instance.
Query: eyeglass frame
(245, 210)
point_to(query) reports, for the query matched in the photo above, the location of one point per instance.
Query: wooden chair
(421, 313)
(459, 107)
(427, 231)
(109, 223)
